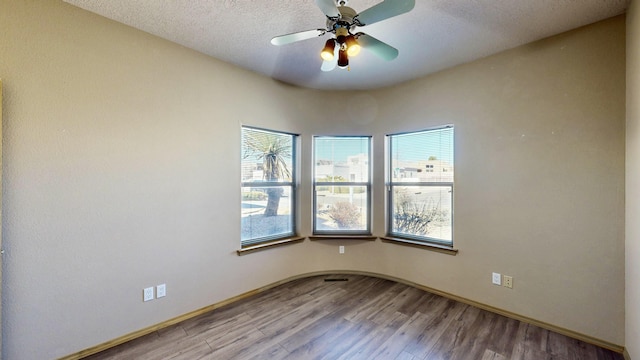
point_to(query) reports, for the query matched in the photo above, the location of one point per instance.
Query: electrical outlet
(341, 249)
(147, 294)
(508, 281)
(161, 290)
(496, 279)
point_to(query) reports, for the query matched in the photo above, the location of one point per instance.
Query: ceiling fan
(341, 22)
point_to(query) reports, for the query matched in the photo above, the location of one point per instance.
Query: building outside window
(268, 185)
(342, 185)
(420, 185)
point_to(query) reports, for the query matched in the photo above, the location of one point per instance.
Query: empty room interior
(124, 161)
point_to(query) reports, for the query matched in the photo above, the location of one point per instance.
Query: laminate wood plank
(396, 344)
(362, 290)
(202, 326)
(364, 347)
(479, 332)
(492, 355)
(273, 317)
(557, 344)
(360, 283)
(370, 309)
(349, 341)
(580, 350)
(264, 301)
(524, 352)
(443, 312)
(173, 332)
(603, 354)
(432, 304)
(289, 323)
(275, 352)
(361, 318)
(293, 321)
(122, 351)
(361, 294)
(503, 336)
(261, 346)
(471, 341)
(415, 298)
(170, 347)
(185, 350)
(281, 331)
(284, 298)
(455, 339)
(532, 336)
(161, 348)
(314, 341)
(405, 356)
(320, 286)
(391, 304)
(234, 344)
(171, 338)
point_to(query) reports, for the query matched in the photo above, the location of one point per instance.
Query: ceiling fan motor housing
(347, 15)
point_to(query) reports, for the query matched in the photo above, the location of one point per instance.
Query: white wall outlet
(496, 279)
(508, 281)
(341, 249)
(147, 294)
(161, 290)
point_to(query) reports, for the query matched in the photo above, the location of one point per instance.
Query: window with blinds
(420, 185)
(268, 185)
(342, 185)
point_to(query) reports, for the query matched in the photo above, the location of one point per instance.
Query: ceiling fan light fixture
(343, 59)
(327, 53)
(341, 34)
(353, 48)
(341, 22)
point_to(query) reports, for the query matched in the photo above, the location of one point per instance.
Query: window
(268, 185)
(421, 202)
(341, 186)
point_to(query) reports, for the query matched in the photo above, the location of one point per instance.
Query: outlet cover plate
(161, 290)
(508, 281)
(496, 279)
(341, 249)
(147, 294)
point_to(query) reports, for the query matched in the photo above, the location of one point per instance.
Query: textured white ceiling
(435, 35)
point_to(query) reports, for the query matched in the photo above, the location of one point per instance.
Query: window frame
(391, 185)
(367, 185)
(292, 184)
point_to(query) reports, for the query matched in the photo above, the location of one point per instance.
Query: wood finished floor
(362, 318)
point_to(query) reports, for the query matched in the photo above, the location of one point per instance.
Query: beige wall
(120, 173)
(632, 244)
(539, 191)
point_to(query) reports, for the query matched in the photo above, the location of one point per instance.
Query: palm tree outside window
(268, 179)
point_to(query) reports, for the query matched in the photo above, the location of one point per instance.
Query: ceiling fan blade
(385, 10)
(302, 35)
(329, 8)
(331, 64)
(383, 50)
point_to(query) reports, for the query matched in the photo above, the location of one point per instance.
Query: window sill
(427, 246)
(343, 237)
(270, 244)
